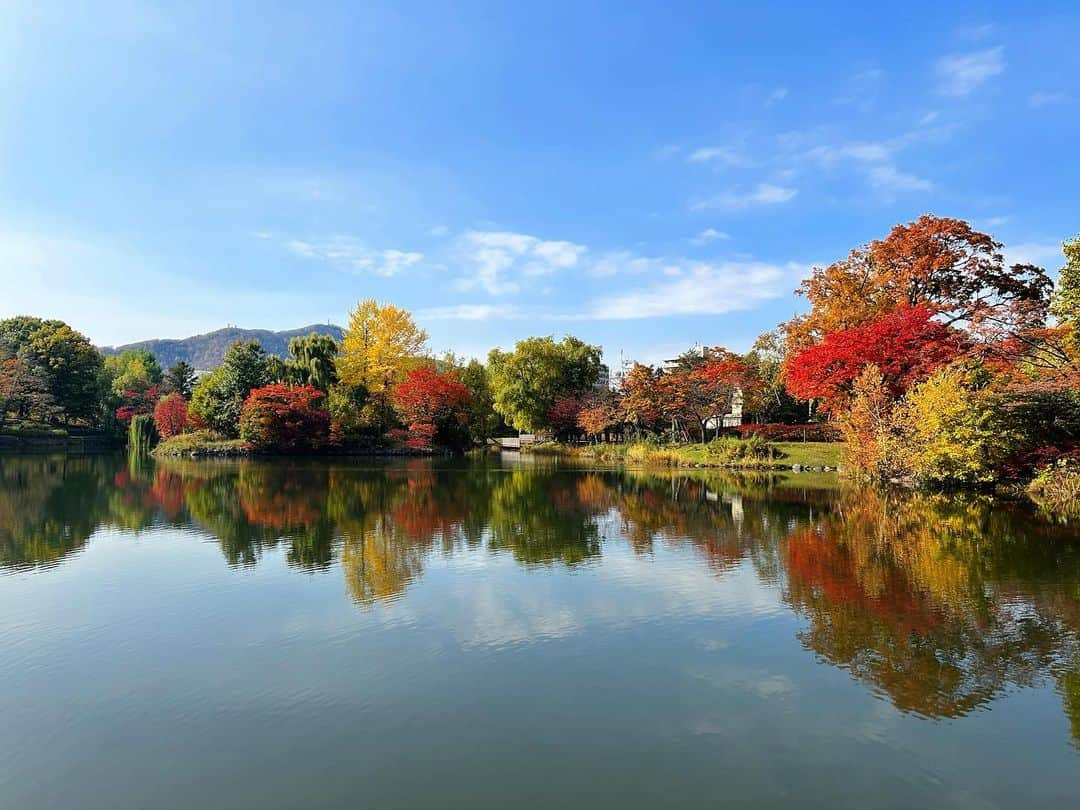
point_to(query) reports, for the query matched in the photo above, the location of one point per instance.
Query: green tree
(313, 361)
(70, 365)
(526, 382)
(219, 397)
(210, 401)
(180, 379)
(1066, 300)
(483, 421)
(133, 370)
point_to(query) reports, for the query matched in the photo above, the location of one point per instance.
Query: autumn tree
(906, 346)
(136, 402)
(381, 345)
(600, 415)
(435, 407)
(179, 379)
(24, 390)
(285, 418)
(171, 415)
(869, 427)
(527, 381)
(562, 416)
(939, 263)
(644, 403)
(700, 392)
(954, 430)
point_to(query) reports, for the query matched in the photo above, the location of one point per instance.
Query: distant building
(603, 379)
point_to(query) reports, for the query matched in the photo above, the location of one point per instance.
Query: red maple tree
(435, 406)
(286, 418)
(171, 415)
(907, 346)
(137, 402)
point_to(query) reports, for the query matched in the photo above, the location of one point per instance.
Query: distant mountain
(205, 351)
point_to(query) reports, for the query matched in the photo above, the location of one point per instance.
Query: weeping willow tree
(142, 435)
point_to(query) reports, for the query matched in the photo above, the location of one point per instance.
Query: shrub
(1056, 487)
(421, 435)
(952, 429)
(285, 418)
(729, 451)
(813, 432)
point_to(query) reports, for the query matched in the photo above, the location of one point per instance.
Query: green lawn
(811, 454)
(729, 453)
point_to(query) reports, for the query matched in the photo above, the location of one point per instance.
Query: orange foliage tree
(939, 263)
(702, 393)
(643, 398)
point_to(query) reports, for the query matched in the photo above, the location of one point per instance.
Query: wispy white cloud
(867, 151)
(439, 231)
(725, 155)
(469, 312)
(890, 179)
(1046, 98)
(960, 73)
(1043, 254)
(497, 258)
(698, 288)
(776, 96)
(350, 254)
(710, 235)
(620, 262)
(738, 199)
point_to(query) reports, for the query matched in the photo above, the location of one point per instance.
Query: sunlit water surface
(505, 634)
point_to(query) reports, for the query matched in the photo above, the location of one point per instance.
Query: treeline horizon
(935, 360)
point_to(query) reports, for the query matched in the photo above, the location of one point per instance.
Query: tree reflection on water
(939, 602)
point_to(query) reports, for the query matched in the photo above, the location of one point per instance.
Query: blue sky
(643, 175)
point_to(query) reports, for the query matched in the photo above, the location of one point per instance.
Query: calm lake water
(512, 634)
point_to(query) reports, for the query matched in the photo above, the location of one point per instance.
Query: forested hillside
(205, 351)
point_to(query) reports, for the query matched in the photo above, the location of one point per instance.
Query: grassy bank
(1056, 489)
(751, 453)
(200, 443)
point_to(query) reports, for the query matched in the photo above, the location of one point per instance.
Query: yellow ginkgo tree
(381, 345)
